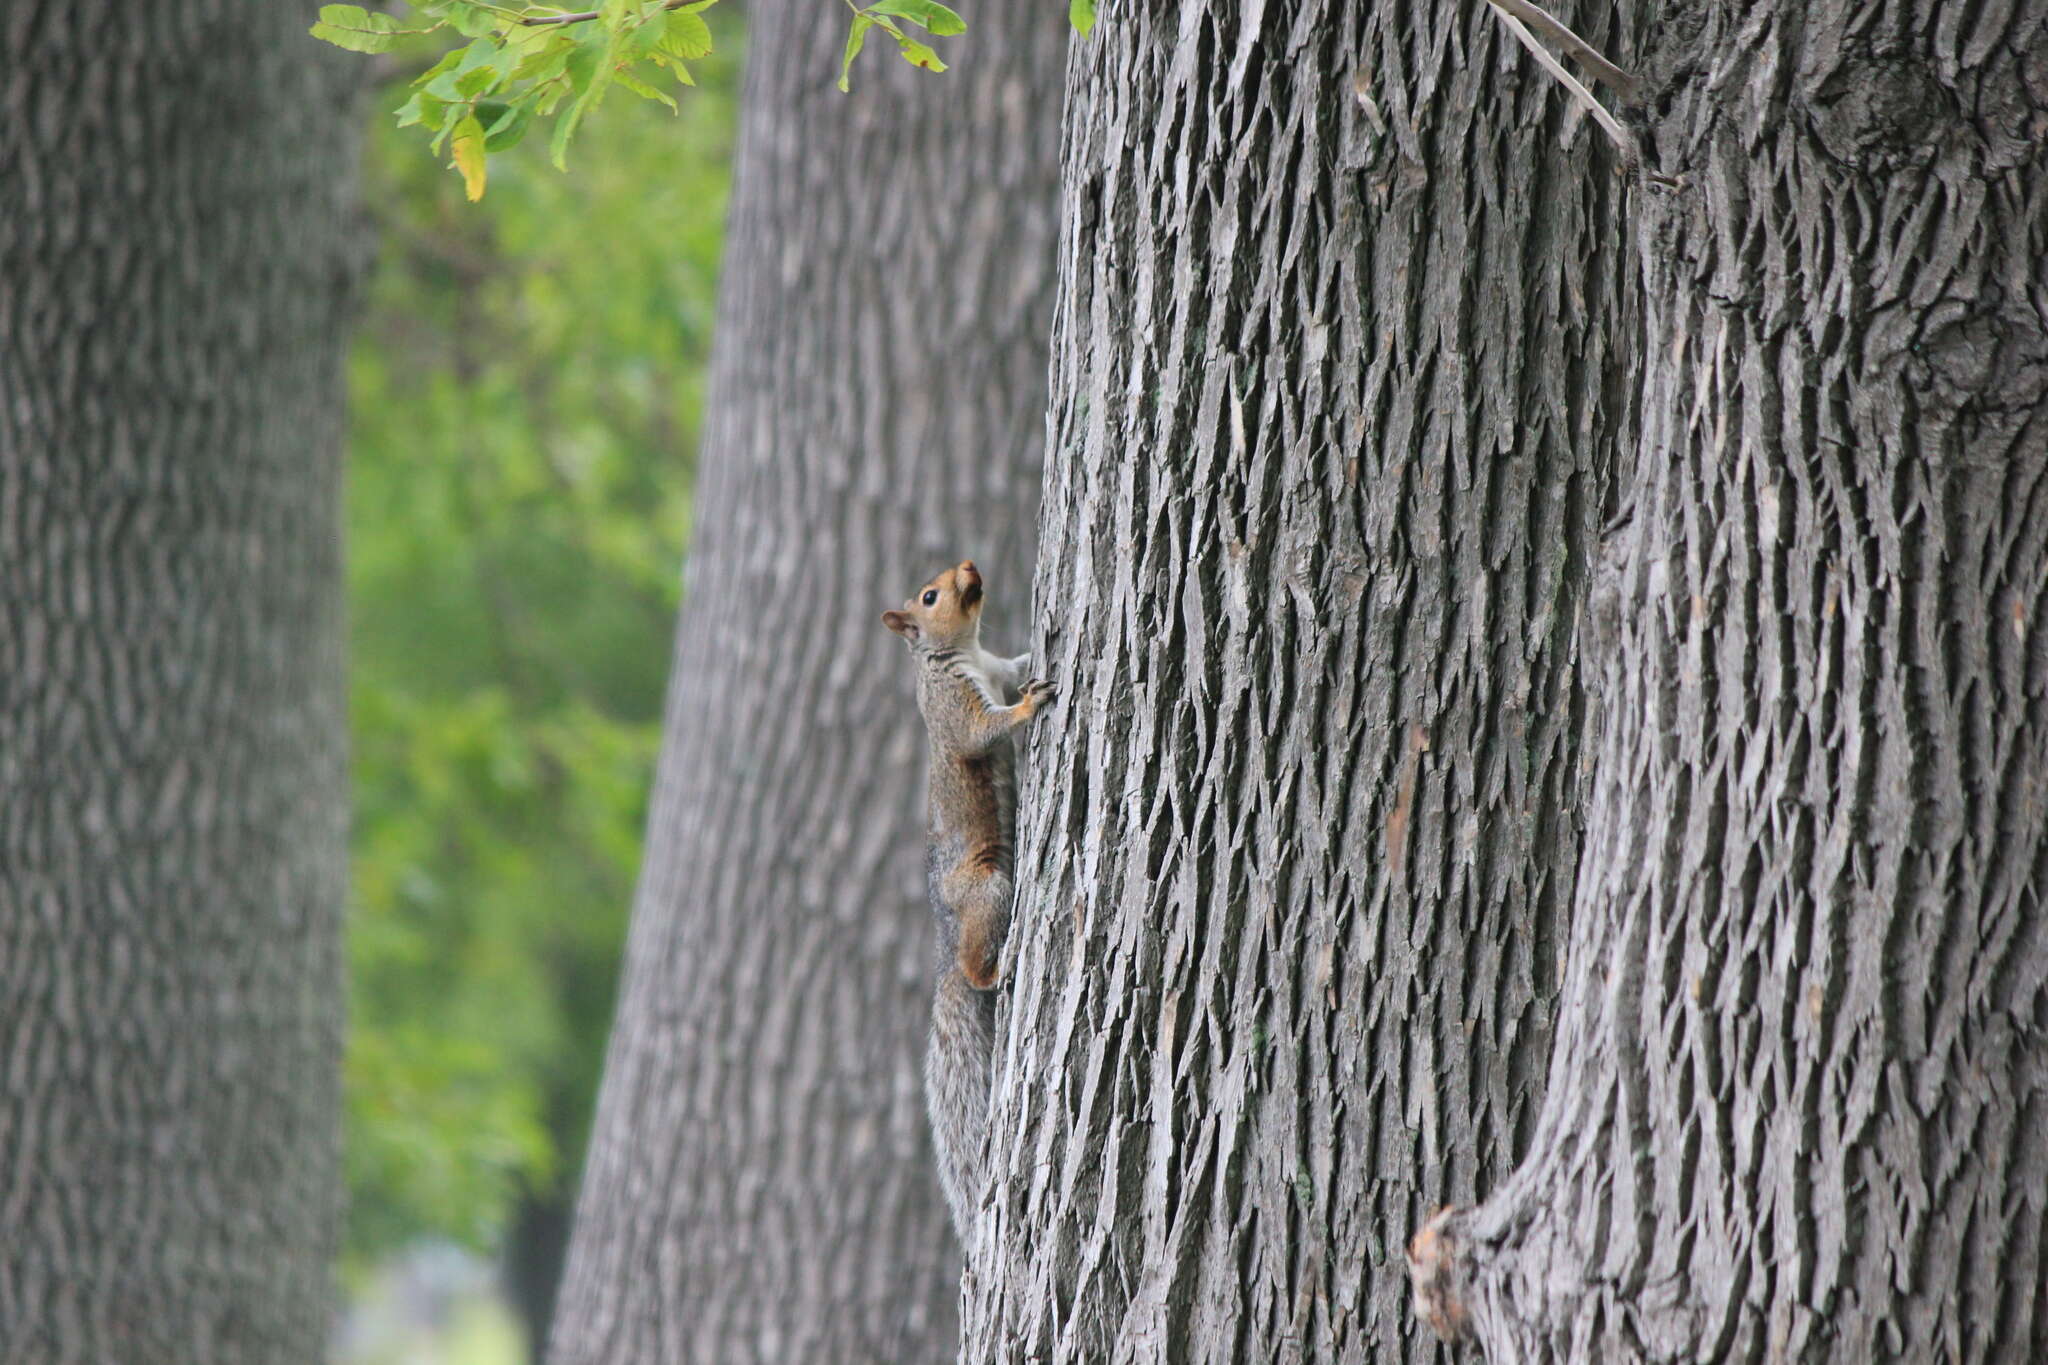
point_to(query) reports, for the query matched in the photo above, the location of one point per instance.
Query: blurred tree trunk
(176, 257)
(1799, 1110)
(760, 1185)
(536, 1245)
(1335, 398)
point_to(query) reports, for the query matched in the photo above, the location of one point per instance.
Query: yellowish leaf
(469, 156)
(918, 54)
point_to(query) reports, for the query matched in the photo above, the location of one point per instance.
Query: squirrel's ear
(900, 622)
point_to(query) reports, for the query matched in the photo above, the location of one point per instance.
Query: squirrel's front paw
(1040, 692)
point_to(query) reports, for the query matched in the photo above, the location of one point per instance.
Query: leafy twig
(584, 16)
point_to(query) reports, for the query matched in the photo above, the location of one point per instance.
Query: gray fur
(957, 1062)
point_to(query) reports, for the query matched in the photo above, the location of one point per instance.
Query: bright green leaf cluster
(524, 62)
(935, 19)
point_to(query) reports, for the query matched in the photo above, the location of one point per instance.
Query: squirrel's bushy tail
(957, 1063)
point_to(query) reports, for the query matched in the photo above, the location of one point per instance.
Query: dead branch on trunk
(1518, 15)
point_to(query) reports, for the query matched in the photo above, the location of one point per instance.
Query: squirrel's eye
(931, 597)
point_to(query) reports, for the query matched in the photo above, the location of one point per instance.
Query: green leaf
(480, 53)
(476, 56)
(645, 39)
(544, 63)
(358, 29)
(855, 36)
(476, 81)
(469, 156)
(504, 130)
(427, 110)
(471, 21)
(452, 113)
(583, 70)
(933, 17)
(558, 144)
(644, 90)
(686, 35)
(1081, 14)
(448, 62)
(917, 54)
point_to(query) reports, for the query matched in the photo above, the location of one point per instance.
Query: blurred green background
(526, 388)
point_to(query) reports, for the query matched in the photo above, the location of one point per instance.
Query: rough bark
(1799, 1107)
(1333, 403)
(760, 1184)
(175, 254)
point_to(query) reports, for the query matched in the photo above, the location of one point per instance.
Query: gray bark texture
(1799, 1106)
(1334, 400)
(176, 260)
(760, 1185)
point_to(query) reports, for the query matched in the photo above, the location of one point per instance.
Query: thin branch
(585, 16)
(1604, 71)
(1624, 141)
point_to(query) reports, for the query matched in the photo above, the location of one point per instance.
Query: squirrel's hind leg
(980, 899)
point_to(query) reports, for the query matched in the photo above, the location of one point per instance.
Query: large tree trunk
(1333, 405)
(175, 253)
(760, 1184)
(1799, 1107)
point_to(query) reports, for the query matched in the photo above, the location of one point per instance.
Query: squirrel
(970, 823)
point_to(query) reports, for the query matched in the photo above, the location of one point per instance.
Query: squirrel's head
(945, 613)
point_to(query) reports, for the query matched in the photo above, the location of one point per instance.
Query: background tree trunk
(175, 256)
(760, 1184)
(1799, 1109)
(1334, 403)
(536, 1247)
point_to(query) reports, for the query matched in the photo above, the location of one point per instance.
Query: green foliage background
(526, 390)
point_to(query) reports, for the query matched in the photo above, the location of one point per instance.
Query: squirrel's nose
(967, 566)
